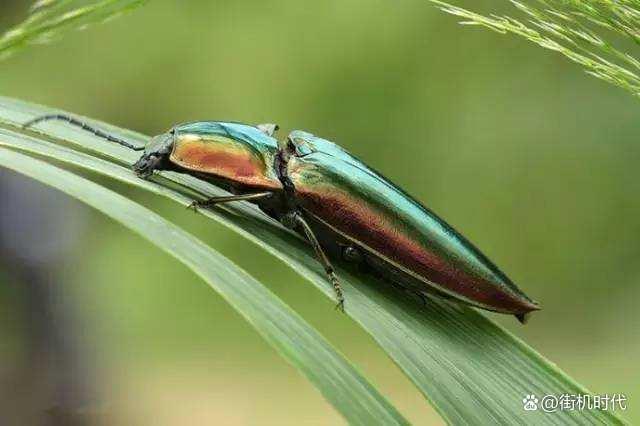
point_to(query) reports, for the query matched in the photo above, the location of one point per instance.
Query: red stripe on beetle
(357, 219)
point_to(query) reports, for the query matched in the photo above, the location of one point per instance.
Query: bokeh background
(529, 157)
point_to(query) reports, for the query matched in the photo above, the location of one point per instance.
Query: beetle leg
(422, 298)
(227, 198)
(268, 128)
(351, 254)
(296, 219)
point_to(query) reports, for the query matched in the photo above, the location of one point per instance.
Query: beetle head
(154, 155)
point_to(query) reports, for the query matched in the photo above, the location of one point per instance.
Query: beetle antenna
(83, 126)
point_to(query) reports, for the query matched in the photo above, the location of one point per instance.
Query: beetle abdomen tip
(523, 318)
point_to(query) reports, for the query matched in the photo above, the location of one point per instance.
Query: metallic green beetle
(345, 209)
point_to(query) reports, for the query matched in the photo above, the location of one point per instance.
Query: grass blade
(49, 18)
(470, 369)
(595, 34)
(298, 342)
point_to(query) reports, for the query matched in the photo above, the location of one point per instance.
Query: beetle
(344, 208)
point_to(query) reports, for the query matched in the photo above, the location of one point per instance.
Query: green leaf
(470, 369)
(49, 18)
(298, 342)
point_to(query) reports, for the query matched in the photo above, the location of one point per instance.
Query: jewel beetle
(344, 208)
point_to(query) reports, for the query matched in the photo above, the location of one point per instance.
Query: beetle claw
(340, 305)
(194, 205)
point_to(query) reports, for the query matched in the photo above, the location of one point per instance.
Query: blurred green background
(526, 155)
